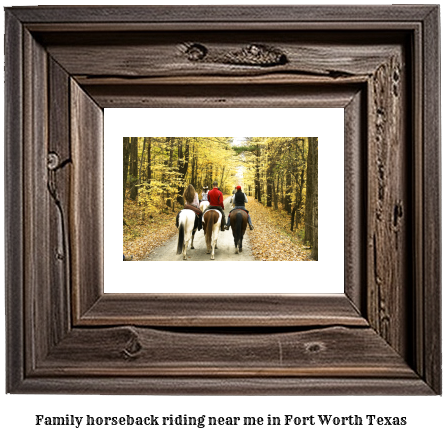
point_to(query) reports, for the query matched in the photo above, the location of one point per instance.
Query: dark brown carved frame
(64, 65)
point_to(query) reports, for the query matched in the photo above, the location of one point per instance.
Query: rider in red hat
(215, 198)
(239, 202)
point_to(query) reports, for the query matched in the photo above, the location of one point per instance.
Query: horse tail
(181, 237)
(209, 227)
(238, 225)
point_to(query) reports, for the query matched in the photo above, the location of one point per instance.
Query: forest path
(225, 244)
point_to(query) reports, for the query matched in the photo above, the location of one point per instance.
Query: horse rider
(205, 193)
(191, 198)
(240, 199)
(215, 198)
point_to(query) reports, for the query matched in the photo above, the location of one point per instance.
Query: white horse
(204, 205)
(211, 225)
(186, 231)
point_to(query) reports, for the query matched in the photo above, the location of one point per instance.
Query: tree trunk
(314, 142)
(141, 161)
(171, 152)
(149, 176)
(292, 217)
(299, 198)
(194, 167)
(274, 196)
(268, 189)
(222, 182)
(126, 152)
(274, 190)
(134, 168)
(183, 163)
(281, 197)
(309, 197)
(257, 177)
(288, 193)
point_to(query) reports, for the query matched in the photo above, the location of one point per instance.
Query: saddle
(196, 210)
(238, 208)
(215, 207)
(198, 216)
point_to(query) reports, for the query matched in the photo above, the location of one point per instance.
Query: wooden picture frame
(65, 64)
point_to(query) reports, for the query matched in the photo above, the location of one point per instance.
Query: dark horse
(239, 221)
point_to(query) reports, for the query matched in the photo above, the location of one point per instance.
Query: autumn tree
(251, 150)
(311, 219)
(298, 176)
(182, 164)
(148, 142)
(166, 165)
(133, 168)
(126, 152)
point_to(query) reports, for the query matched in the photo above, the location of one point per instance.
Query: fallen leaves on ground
(142, 236)
(271, 239)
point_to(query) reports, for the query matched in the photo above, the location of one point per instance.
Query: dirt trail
(225, 244)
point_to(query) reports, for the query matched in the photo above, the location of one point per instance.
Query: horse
(186, 231)
(211, 226)
(204, 205)
(239, 221)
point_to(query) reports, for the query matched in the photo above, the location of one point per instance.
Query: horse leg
(208, 248)
(214, 240)
(214, 243)
(192, 239)
(240, 244)
(188, 235)
(184, 250)
(235, 243)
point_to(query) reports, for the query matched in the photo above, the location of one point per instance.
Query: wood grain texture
(355, 187)
(432, 334)
(63, 65)
(288, 386)
(227, 14)
(86, 197)
(417, 245)
(59, 168)
(226, 96)
(205, 310)
(14, 239)
(129, 351)
(161, 54)
(388, 204)
(38, 304)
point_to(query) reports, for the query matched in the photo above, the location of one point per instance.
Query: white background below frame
(324, 276)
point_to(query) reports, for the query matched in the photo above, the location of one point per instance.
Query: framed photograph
(149, 220)
(377, 332)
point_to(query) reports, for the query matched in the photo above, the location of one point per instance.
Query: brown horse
(239, 221)
(211, 227)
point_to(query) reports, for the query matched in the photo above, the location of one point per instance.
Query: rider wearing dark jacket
(240, 198)
(239, 202)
